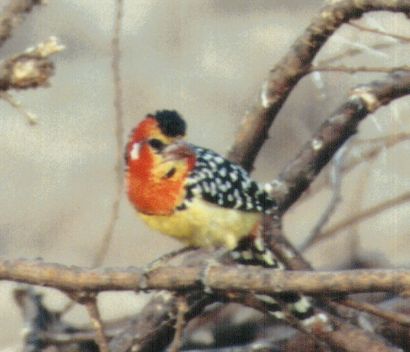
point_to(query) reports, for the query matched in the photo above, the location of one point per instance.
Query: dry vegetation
(335, 107)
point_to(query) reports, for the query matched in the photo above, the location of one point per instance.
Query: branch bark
(224, 278)
(293, 66)
(335, 131)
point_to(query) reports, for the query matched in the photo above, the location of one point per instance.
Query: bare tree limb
(30, 69)
(12, 15)
(119, 133)
(32, 119)
(358, 69)
(218, 277)
(90, 303)
(336, 187)
(379, 32)
(154, 328)
(315, 154)
(293, 66)
(394, 317)
(361, 216)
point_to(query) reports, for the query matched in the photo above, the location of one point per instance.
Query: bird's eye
(156, 144)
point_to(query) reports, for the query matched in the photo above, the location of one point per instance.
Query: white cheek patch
(135, 150)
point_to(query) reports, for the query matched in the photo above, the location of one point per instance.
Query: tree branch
(30, 69)
(12, 15)
(293, 66)
(223, 278)
(335, 131)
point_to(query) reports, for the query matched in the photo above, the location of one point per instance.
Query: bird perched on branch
(188, 192)
(197, 196)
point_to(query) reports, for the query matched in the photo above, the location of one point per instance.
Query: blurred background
(208, 60)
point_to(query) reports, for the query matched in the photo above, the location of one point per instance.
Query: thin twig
(350, 52)
(362, 216)
(32, 119)
(182, 309)
(336, 186)
(395, 317)
(379, 32)
(358, 69)
(119, 133)
(12, 15)
(92, 308)
(379, 144)
(295, 65)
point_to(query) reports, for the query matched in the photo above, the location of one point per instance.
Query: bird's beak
(177, 151)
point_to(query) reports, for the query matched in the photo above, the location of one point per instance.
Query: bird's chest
(203, 224)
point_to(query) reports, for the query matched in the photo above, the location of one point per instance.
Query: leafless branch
(293, 66)
(336, 186)
(119, 133)
(30, 69)
(91, 304)
(358, 69)
(362, 216)
(377, 145)
(12, 15)
(154, 328)
(218, 277)
(335, 131)
(32, 119)
(379, 32)
(182, 309)
(350, 52)
(394, 317)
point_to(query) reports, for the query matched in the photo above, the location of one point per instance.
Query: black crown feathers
(171, 123)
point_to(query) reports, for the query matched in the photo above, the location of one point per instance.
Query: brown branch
(379, 32)
(349, 53)
(119, 133)
(218, 278)
(90, 303)
(394, 317)
(293, 66)
(32, 119)
(362, 216)
(182, 309)
(154, 328)
(12, 15)
(30, 69)
(335, 131)
(336, 187)
(367, 155)
(358, 69)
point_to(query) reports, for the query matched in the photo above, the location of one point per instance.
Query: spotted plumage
(221, 182)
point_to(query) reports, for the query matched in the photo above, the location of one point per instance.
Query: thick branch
(293, 66)
(315, 154)
(241, 278)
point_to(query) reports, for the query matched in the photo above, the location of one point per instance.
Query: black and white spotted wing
(220, 182)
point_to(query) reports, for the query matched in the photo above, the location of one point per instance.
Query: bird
(200, 198)
(189, 192)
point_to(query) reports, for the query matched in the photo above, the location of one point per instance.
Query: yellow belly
(205, 225)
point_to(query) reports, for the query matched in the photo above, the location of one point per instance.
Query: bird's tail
(290, 306)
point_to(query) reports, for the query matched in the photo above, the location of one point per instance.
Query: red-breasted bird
(188, 192)
(197, 196)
